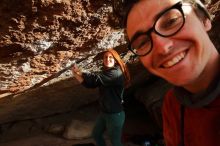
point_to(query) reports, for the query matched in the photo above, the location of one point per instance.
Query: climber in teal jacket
(111, 82)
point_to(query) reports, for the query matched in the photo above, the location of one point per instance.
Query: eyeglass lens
(168, 24)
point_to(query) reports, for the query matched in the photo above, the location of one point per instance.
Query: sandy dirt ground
(45, 140)
(137, 122)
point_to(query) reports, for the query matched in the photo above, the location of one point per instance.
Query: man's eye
(171, 23)
(141, 41)
(144, 43)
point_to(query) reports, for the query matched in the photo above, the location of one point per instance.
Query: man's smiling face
(181, 58)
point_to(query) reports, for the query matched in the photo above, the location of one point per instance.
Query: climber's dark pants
(113, 124)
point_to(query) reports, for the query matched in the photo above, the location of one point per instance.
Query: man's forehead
(162, 2)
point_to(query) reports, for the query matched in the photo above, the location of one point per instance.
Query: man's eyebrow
(139, 32)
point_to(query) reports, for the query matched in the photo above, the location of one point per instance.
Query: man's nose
(163, 45)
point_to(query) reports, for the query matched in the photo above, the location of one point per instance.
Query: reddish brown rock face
(39, 38)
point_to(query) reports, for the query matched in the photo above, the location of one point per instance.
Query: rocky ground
(58, 131)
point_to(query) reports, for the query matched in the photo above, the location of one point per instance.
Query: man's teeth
(174, 60)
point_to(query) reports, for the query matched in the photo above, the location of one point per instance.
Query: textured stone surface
(41, 38)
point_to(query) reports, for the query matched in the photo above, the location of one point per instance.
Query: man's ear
(207, 24)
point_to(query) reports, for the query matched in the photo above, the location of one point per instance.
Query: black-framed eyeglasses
(167, 24)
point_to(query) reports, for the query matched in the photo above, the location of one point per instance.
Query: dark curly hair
(199, 6)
